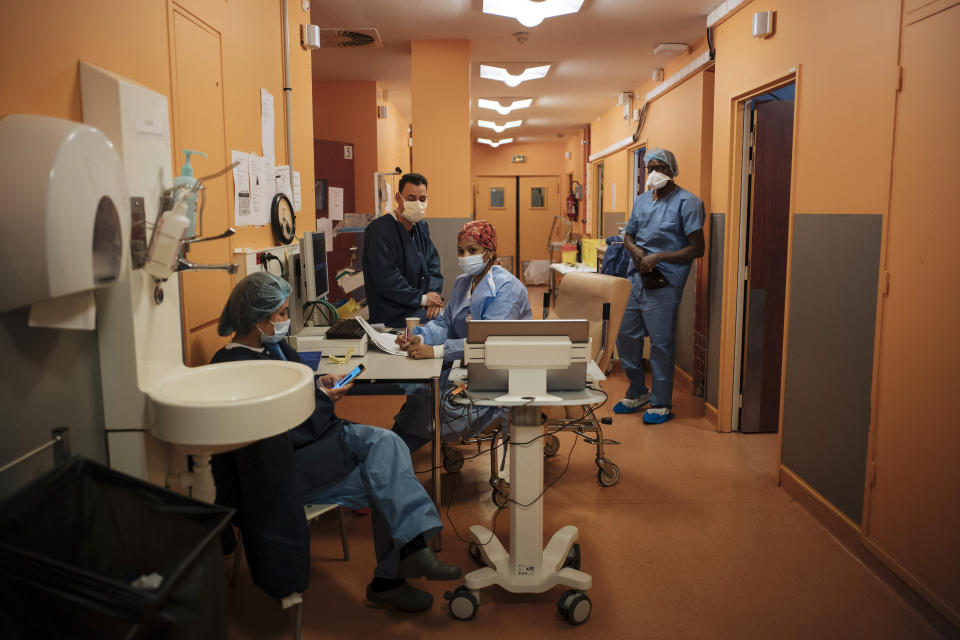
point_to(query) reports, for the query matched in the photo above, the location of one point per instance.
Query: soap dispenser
(187, 182)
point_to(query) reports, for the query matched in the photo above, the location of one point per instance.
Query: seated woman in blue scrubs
(484, 291)
(324, 460)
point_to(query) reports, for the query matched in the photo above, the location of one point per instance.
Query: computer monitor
(313, 265)
(568, 375)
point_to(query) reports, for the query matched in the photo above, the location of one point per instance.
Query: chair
(295, 600)
(585, 295)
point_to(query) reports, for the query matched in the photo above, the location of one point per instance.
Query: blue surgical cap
(253, 300)
(665, 157)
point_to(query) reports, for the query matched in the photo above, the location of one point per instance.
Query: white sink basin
(219, 407)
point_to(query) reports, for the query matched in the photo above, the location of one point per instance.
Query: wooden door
(333, 168)
(199, 125)
(767, 264)
(913, 512)
(496, 202)
(538, 202)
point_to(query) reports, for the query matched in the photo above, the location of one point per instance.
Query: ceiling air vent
(349, 38)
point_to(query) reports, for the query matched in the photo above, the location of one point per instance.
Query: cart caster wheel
(452, 460)
(573, 557)
(463, 605)
(551, 444)
(476, 555)
(575, 606)
(608, 476)
(501, 494)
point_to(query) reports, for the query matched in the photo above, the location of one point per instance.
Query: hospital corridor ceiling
(604, 49)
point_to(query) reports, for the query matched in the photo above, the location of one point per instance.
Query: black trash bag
(73, 541)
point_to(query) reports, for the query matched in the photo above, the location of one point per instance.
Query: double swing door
(521, 209)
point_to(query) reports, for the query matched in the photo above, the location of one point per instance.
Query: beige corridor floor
(695, 541)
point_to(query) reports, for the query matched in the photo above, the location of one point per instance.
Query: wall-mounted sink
(219, 407)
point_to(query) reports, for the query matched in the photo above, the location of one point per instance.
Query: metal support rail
(61, 451)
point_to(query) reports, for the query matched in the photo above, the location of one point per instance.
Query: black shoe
(426, 564)
(404, 597)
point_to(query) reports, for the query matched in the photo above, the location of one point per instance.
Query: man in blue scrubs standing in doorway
(663, 236)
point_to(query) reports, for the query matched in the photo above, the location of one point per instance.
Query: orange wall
(347, 112)
(844, 116)
(393, 149)
(440, 91)
(543, 159)
(135, 43)
(677, 119)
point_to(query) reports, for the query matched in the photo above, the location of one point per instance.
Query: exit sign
(519, 159)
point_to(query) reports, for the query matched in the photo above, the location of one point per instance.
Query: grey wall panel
(829, 367)
(49, 378)
(714, 306)
(443, 232)
(686, 314)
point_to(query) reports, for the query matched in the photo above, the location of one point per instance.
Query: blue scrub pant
(384, 480)
(414, 422)
(650, 313)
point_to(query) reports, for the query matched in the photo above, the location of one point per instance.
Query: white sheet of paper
(269, 186)
(283, 182)
(241, 189)
(384, 341)
(335, 202)
(266, 124)
(613, 196)
(296, 191)
(326, 225)
(259, 213)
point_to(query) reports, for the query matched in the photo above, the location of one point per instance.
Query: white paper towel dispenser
(64, 211)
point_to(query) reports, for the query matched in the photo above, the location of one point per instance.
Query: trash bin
(75, 541)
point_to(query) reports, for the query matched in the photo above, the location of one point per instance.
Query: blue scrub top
(663, 225)
(498, 296)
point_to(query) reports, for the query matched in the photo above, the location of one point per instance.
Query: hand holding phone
(349, 377)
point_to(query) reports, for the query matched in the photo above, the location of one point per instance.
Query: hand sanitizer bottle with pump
(187, 182)
(168, 236)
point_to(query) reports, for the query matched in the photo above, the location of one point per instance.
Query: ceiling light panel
(530, 13)
(486, 103)
(499, 128)
(492, 72)
(494, 144)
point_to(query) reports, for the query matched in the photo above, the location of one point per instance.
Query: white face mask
(656, 180)
(279, 331)
(414, 210)
(472, 265)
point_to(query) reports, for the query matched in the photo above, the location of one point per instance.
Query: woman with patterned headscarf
(484, 291)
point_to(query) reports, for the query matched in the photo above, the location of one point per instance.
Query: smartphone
(350, 376)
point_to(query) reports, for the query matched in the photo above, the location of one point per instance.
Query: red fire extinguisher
(572, 207)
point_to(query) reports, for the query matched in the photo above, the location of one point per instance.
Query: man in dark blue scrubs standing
(401, 266)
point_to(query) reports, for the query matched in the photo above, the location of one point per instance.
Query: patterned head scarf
(481, 232)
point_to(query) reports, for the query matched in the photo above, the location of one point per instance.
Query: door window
(496, 197)
(538, 198)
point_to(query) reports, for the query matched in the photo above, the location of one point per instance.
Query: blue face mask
(279, 331)
(472, 265)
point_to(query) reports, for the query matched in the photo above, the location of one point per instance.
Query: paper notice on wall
(269, 186)
(241, 189)
(335, 200)
(326, 226)
(266, 124)
(259, 207)
(283, 181)
(613, 196)
(296, 191)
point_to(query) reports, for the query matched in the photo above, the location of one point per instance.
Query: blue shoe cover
(620, 407)
(655, 417)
